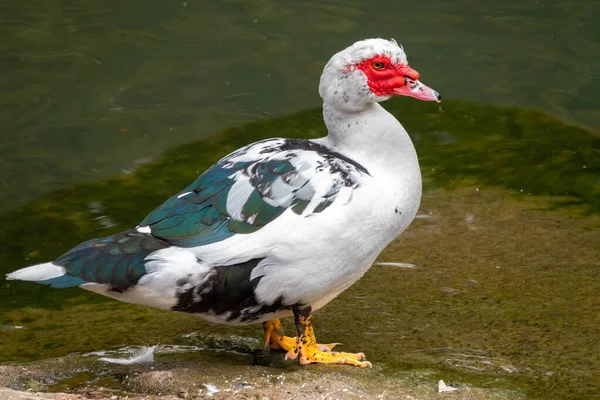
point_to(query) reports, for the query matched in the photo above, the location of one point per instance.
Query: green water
(506, 249)
(89, 87)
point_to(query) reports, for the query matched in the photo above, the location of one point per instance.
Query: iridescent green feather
(117, 260)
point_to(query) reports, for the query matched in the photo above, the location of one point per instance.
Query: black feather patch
(226, 289)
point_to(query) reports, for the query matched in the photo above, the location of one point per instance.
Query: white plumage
(280, 223)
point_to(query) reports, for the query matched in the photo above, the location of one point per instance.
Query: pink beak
(414, 88)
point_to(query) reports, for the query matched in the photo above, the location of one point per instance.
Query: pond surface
(88, 88)
(494, 283)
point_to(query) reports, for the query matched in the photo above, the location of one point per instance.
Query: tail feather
(116, 260)
(47, 274)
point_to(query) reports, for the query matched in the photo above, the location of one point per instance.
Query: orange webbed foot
(308, 351)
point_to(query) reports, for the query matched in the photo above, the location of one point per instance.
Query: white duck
(279, 227)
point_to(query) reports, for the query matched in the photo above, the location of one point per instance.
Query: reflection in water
(88, 87)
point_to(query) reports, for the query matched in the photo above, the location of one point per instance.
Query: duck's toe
(307, 354)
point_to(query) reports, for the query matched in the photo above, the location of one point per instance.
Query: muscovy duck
(279, 227)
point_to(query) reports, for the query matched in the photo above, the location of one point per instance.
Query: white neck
(371, 136)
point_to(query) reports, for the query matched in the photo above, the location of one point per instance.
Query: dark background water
(88, 87)
(506, 245)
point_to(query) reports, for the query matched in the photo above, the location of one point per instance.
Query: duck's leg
(308, 351)
(276, 340)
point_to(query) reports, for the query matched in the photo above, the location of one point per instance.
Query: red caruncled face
(386, 79)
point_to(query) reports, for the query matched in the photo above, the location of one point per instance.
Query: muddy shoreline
(76, 377)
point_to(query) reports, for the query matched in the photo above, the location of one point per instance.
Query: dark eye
(378, 65)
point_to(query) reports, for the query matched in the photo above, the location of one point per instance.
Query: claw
(292, 354)
(327, 347)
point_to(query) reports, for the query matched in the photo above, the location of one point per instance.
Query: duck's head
(371, 71)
